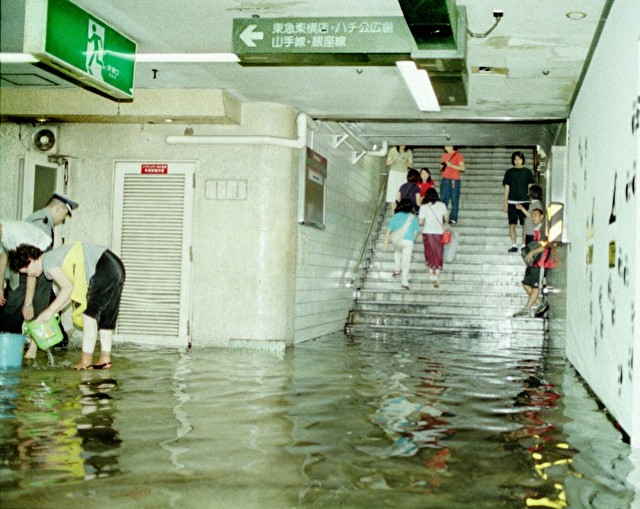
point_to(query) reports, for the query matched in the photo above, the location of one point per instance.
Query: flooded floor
(407, 421)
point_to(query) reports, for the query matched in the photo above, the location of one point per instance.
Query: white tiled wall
(602, 222)
(557, 282)
(326, 258)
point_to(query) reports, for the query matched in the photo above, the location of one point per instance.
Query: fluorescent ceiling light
(26, 58)
(17, 58)
(187, 57)
(419, 85)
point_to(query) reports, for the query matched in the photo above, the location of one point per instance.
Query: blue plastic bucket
(11, 350)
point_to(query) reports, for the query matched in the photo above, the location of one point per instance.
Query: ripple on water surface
(411, 420)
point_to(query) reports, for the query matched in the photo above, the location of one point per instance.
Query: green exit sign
(321, 41)
(62, 35)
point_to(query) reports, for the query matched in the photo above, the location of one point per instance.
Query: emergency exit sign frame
(69, 39)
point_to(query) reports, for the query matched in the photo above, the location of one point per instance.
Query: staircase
(479, 291)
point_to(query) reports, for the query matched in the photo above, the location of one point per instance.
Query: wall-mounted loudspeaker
(45, 139)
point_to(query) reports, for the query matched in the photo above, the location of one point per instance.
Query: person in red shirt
(451, 165)
(426, 182)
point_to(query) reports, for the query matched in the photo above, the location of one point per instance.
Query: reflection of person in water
(95, 52)
(433, 428)
(95, 429)
(416, 421)
(550, 454)
(44, 435)
(535, 396)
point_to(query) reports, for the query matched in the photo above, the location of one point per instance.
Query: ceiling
(520, 79)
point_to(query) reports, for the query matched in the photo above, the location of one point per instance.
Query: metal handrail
(365, 244)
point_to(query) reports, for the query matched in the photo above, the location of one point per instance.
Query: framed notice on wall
(315, 176)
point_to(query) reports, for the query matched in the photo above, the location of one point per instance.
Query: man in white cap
(55, 212)
(26, 301)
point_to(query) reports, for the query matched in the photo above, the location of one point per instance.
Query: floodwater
(406, 421)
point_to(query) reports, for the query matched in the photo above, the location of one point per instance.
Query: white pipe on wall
(381, 152)
(243, 139)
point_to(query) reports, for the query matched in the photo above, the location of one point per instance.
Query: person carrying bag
(432, 221)
(402, 230)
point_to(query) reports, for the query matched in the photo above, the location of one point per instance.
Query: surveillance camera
(498, 14)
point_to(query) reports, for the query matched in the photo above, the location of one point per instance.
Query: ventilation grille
(45, 140)
(151, 247)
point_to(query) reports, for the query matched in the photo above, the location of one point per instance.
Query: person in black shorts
(516, 183)
(90, 277)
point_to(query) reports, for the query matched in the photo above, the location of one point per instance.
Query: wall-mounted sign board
(321, 41)
(315, 177)
(63, 36)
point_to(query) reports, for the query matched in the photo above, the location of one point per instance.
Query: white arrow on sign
(248, 36)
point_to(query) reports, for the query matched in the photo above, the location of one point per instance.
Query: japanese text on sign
(324, 34)
(156, 169)
(350, 35)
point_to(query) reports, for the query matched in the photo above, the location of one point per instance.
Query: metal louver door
(152, 234)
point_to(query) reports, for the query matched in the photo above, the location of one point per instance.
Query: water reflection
(446, 411)
(49, 437)
(46, 441)
(407, 421)
(549, 453)
(179, 391)
(99, 439)
(9, 394)
(411, 414)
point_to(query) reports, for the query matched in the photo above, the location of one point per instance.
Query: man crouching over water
(88, 276)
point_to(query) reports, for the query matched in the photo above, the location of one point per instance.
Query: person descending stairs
(479, 291)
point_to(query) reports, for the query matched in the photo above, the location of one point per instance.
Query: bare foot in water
(31, 351)
(86, 362)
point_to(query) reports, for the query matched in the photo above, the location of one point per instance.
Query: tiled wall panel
(326, 258)
(602, 222)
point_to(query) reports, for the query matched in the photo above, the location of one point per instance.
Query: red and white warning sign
(154, 169)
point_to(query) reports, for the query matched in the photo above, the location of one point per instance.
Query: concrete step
(507, 262)
(507, 284)
(497, 233)
(508, 338)
(477, 211)
(464, 262)
(472, 244)
(494, 231)
(445, 329)
(522, 327)
(463, 276)
(404, 301)
(420, 282)
(465, 303)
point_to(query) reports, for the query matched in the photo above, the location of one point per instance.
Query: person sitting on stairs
(534, 272)
(535, 197)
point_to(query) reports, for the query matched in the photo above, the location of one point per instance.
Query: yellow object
(73, 267)
(545, 502)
